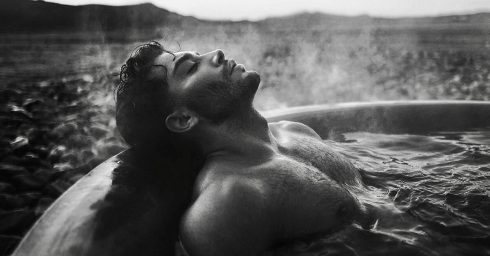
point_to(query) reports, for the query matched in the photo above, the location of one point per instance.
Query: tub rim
(75, 202)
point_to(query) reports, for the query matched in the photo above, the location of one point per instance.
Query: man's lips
(231, 65)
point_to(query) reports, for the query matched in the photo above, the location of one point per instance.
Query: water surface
(432, 192)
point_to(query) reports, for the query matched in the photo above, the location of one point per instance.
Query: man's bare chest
(313, 155)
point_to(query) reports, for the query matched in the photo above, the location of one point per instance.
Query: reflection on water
(431, 192)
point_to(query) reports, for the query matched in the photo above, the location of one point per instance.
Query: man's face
(208, 84)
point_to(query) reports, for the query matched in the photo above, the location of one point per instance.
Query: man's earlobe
(181, 121)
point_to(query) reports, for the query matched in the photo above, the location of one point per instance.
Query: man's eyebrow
(181, 60)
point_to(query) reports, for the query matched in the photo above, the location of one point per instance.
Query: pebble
(56, 153)
(46, 175)
(50, 131)
(8, 243)
(21, 112)
(42, 205)
(33, 161)
(14, 160)
(53, 190)
(41, 151)
(30, 197)
(16, 222)
(31, 104)
(61, 184)
(87, 155)
(11, 202)
(70, 158)
(113, 149)
(98, 132)
(65, 129)
(75, 177)
(6, 187)
(79, 141)
(62, 167)
(18, 142)
(28, 182)
(11, 170)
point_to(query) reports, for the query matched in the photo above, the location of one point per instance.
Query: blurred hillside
(144, 21)
(40, 16)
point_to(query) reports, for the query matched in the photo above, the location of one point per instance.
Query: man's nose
(218, 57)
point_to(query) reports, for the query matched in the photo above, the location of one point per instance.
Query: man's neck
(246, 134)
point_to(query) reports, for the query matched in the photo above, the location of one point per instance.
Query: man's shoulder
(227, 211)
(292, 127)
(229, 192)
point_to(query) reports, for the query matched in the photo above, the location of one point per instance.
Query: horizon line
(288, 14)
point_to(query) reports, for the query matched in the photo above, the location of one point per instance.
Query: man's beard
(222, 100)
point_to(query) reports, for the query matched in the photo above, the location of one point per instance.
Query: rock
(16, 222)
(113, 149)
(62, 184)
(46, 175)
(54, 189)
(18, 142)
(33, 162)
(36, 136)
(63, 167)
(42, 205)
(11, 202)
(98, 131)
(12, 170)
(87, 155)
(31, 104)
(65, 129)
(70, 157)
(8, 243)
(6, 188)
(14, 160)
(76, 177)
(10, 94)
(19, 111)
(79, 141)
(28, 182)
(41, 151)
(30, 197)
(56, 153)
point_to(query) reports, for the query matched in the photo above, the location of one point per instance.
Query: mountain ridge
(25, 16)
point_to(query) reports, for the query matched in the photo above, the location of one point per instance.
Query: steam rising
(301, 67)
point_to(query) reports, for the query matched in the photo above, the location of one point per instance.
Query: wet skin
(261, 184)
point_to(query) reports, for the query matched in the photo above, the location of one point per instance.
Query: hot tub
(68, 226)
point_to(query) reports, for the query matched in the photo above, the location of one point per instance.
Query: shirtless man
(261, 183)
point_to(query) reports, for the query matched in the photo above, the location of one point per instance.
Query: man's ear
(181, 120)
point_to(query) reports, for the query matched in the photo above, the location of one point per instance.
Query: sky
(258, 9)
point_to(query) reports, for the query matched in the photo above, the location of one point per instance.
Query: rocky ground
(53, 132)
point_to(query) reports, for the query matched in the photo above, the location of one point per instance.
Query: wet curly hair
(141, 103)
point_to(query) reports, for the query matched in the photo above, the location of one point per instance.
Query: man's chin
(252, 80)
(256, 77)
(251, 83)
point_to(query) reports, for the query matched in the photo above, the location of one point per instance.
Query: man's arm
(229, 218)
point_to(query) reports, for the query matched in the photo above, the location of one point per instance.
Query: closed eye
(193, 68)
